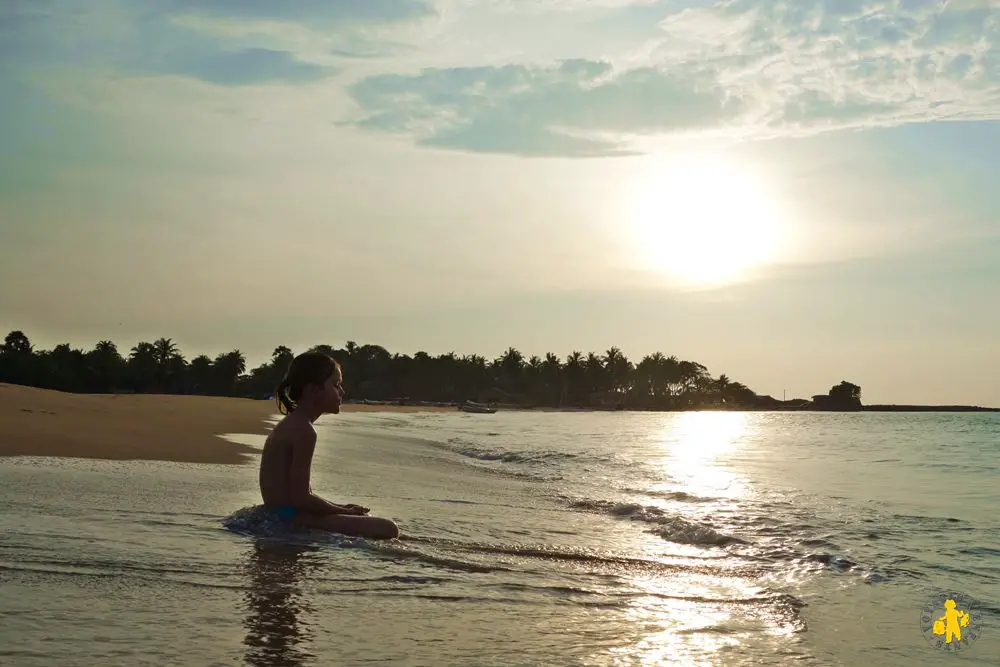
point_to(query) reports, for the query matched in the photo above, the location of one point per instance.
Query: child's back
(276, 462)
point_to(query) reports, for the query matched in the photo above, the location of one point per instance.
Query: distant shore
(43, 422)
(927, 408)
(772, 406)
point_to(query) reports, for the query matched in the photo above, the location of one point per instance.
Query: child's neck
(308, 412)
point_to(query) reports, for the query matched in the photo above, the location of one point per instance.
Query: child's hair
(307, 368)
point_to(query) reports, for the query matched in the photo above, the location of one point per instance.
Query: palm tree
(552, 379)
(574, 374)
(66, 368)
(532, 378)
(595, 373)
(164, 350)
(474, 377)
(510, 366)
(227, 369)
(200, 374)
(106, 366)
(142, 366)
(169, 363)
(619, 369)
(17, 364)
(657, 381)
(423, 377)
(645, 385)
(661, 370)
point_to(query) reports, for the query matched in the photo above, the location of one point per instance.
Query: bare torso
(296, 436)
(276, 461)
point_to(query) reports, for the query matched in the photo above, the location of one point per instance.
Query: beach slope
(159, 427)
(41, 422)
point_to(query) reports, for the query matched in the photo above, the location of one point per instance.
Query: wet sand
(41, 422)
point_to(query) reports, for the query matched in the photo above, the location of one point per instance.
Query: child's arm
(299, 474)
(316, 505)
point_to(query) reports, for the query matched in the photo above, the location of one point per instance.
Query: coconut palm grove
(598, 381)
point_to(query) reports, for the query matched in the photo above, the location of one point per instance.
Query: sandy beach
(41, 422)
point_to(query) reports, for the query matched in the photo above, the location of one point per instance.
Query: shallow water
(528, 539)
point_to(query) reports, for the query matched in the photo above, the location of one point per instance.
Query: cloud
(736, 68)
(310, 11)
(246, 67)
(539, 110)
(812, 65)
(223, 42)
(567, 78)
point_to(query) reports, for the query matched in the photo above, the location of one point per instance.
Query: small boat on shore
(477, 408)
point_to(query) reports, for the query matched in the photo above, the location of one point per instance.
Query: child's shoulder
(292, 431)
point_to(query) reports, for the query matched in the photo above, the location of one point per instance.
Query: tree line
(371, 372)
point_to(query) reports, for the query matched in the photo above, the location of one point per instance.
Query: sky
(791, 193)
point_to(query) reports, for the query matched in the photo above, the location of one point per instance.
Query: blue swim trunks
(286, 512)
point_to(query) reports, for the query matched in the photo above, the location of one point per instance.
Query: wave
(669, 527)
(505, 456)
(926, 520)
(980, 551)
(258, 521)
(397, 554)
(73, 565)
(411, 579)
(117, 573)
(602, 561)
(542, 456)
(525, 457)
(627, 597)
(819, 552)
(536, 476)
(681, 496)
(837, 562)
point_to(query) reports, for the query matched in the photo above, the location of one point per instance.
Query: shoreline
(182, 429)
(866, 408)
(122, 427)
(195, 429)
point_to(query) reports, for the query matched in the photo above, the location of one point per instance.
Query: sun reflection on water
(694, 444)
(706, 615)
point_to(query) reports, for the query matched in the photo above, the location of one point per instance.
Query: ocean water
(528, 539)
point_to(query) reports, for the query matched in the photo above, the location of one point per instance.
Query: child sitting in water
(312, 386)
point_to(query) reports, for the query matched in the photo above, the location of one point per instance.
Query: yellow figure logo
(945, 631)
(950, 625)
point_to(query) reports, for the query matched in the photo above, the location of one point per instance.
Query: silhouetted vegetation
(842, 397)
(609, 381)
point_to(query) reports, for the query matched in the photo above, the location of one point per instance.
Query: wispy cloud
(245, 67)
(621, 71)
(806, 66)
(224, 42)
(540, 110)
(739, 68)
(310, 11)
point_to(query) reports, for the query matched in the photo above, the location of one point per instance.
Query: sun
(705, 220)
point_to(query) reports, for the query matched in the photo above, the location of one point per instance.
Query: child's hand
(357, 510)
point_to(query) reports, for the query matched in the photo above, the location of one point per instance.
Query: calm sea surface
(529, 539)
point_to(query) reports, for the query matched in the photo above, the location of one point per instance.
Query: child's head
(313, 379)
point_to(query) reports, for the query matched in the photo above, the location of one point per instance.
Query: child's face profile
(332, 394)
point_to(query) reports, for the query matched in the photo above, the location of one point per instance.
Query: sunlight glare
(695, 441)
(704, 219)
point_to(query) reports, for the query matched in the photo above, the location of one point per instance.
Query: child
(312, 386)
